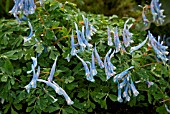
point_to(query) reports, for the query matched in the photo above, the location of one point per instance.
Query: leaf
(49, 34)
(4, 78)
(39, 48)
(13, 111)
(29, 109)
(113, 97)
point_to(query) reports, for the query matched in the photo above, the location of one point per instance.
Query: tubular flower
(85, 40)
(31, 33)
(50, 78)
(100, 62)
(25, 7)
(127, 35)
(122, 74)
(90, 29)
(128, 85)
(109, 67)
(167, 109)
(119, 98)
(125, 93)
(80, 41)
(34, 60)
(158, 47)
(93, 67)
(110, 42)
(116, 40)
(91, 76)
(58, 90)
(133, 88)
(132, 49)
(87, 71)
(145, 20)
(156, 11)
(32, 84)
(73, 47)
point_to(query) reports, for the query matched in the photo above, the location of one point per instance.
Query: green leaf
(29, 109)
(4, 78)
(39, 48)
(13, 111)
(49, 34)
(113, 97)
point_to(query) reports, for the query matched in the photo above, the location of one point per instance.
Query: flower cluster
(83, 37)
(109, 67)
(24, 7)
(124, 80)
(158, 47)
(157, 13)
(50, 81)
(126, 34)
(91, 71)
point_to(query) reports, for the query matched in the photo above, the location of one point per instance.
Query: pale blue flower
(156, 11)
(119, 98)
(167, 109)
(32, 83)
(109, 42)
(122, 74)
(100, 62)
(31, 33)
(116, 40)
(89, 77)
(127, 36)
(58, 90)
(133, 88)
(50, 78)
(132, 49)
(93, 67)
(73, 47)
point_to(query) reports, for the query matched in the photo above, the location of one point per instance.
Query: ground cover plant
(57, 59)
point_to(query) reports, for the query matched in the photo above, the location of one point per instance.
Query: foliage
(56, 19)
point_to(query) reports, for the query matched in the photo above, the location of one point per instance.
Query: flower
(116, 40)
(133, 88)
(110, 43)
(32, 83)
(25, 7)
(50, 78)
(158, 47)
(156, 11)
(127, 35)
(109, 67)
(58, 90)
(132, 49)
(100, 62)
(73, 47)
(88, 74)
(122, 74)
